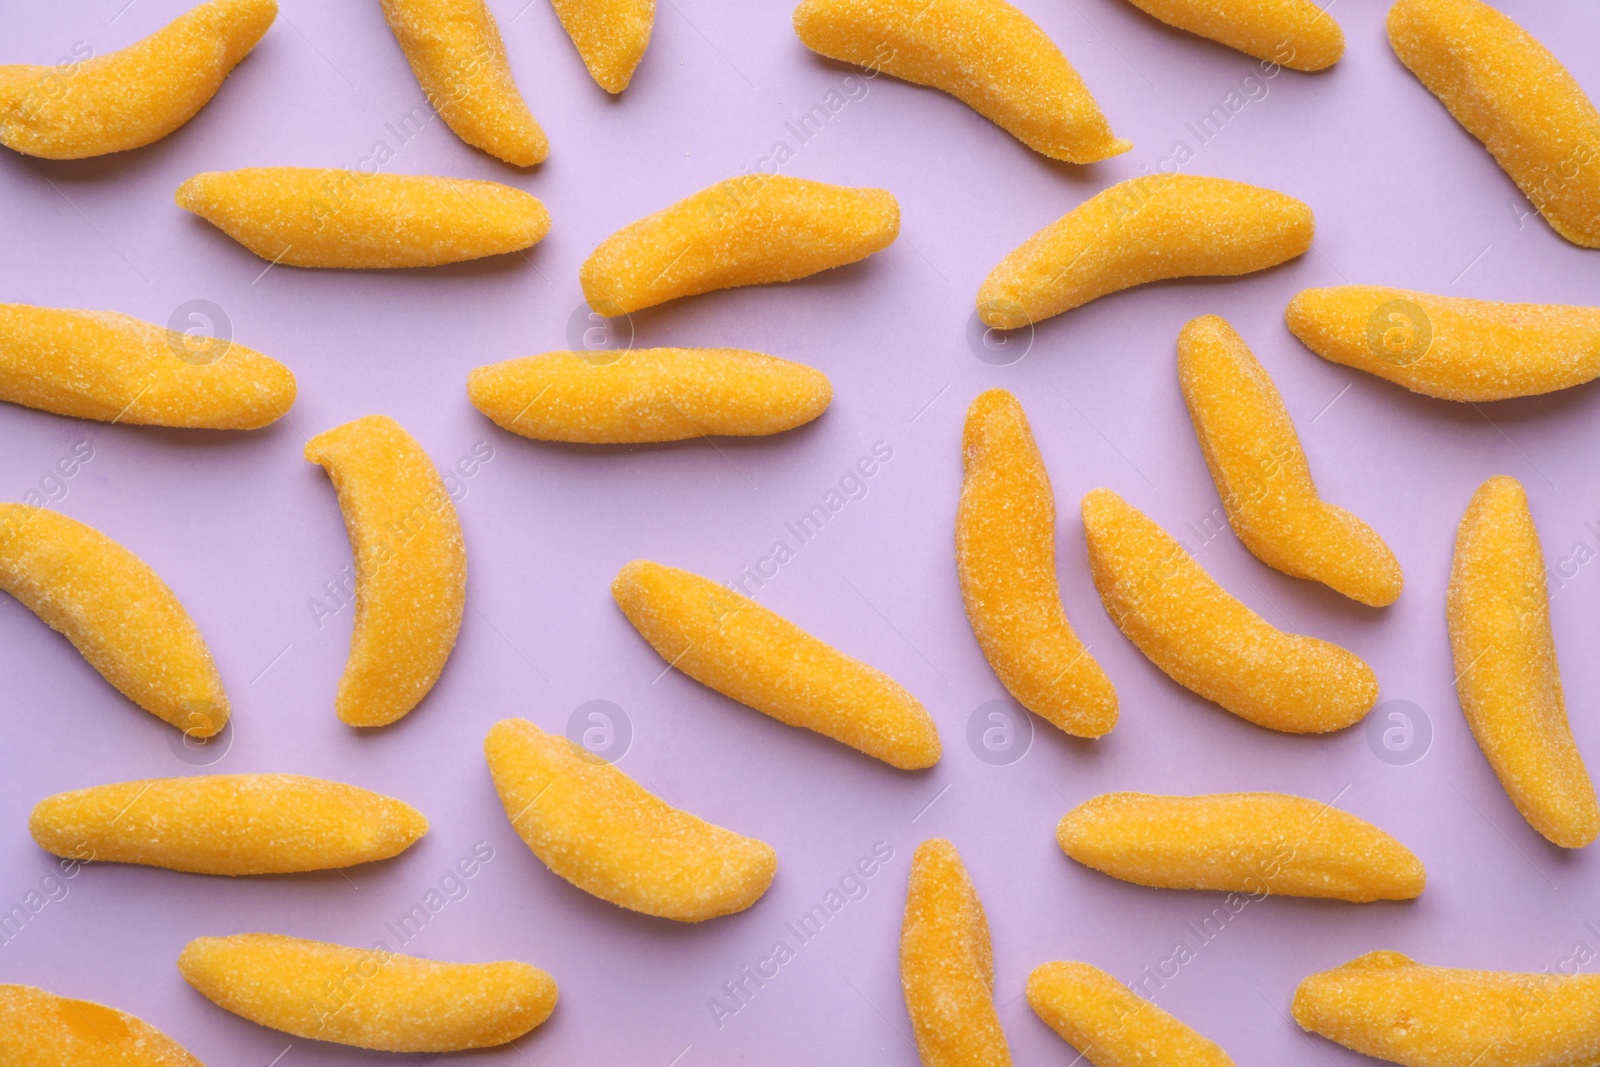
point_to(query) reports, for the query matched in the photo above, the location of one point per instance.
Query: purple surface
(248, 533)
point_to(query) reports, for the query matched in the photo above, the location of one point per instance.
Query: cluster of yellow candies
(594, 825)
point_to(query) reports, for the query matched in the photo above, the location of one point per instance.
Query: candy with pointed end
(1506, 672)
(1143, 230)
(611, 36)
(648, 394)
(455, 50)
(1208, 641)
(45, 1030)
(947, 964)
(368, 998)
(411, 566)
(751, 654)
(749, 230)
(92, 105)
(1514, 96)
(1111, 1024)
(311, 217)
(116, 611)
(985, 53)
(1254, 454)
(1250, 843)
(1450, 347)
(1296, 34)
(603, 832)
(232, 824)
(110, 367)
(1393, 1008)
(1006, 559)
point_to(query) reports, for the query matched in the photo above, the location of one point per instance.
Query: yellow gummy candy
(1006, 558)
(231, 824)
(1506, 672)
(985, 53)
(45, 1030)
(1262, 475)
(1259, 844)
(1450, 347)
(603, 832)
(130, 98)
(947, 964)
(1112, 1025)
(1143, 230)
(455, 50)
(611, 36)
(1209, 642)
(648, 394)
(1393, 1008)
(1514, 96)
(116, 611)
(311, 217)
(751, 654)
(411, 566)
(106, 366)
(368, 998)
(1296, 34)
(749, 230)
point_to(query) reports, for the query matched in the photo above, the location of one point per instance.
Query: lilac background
(247, 532)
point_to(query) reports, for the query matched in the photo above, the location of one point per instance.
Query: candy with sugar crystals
(230, 824)
(600, 830)
(985, 53)
(1261, 473)
(1145, 229)
(126, 99)
(648, 394)
(368, 997)
(1505, 661)
(947, 964)
(1209, 642)
(311, 217)
(1006, 560)
(749, 230)
(753, 655)
(1250, 843)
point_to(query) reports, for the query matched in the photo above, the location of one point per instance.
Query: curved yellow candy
(310, 217)
(1393, 1008)
(455, 50)
(603, 832)
(1262, 475)
(368, 998)
(1506, 672)
(1006, 559)
(45, 1030)
(751, 654)
(947, 965)
(111, 367)
(611, 36)
(1111, 1024)
(1450, 347)
(748, 230)
(116, 611)
(411, 566)
(985, 53)
(1254, 843)
(229, 824)
(1143, 230)
(130, 98)
(648, 394)
(1209, 642)
(1514, 96)
(1296, 34)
